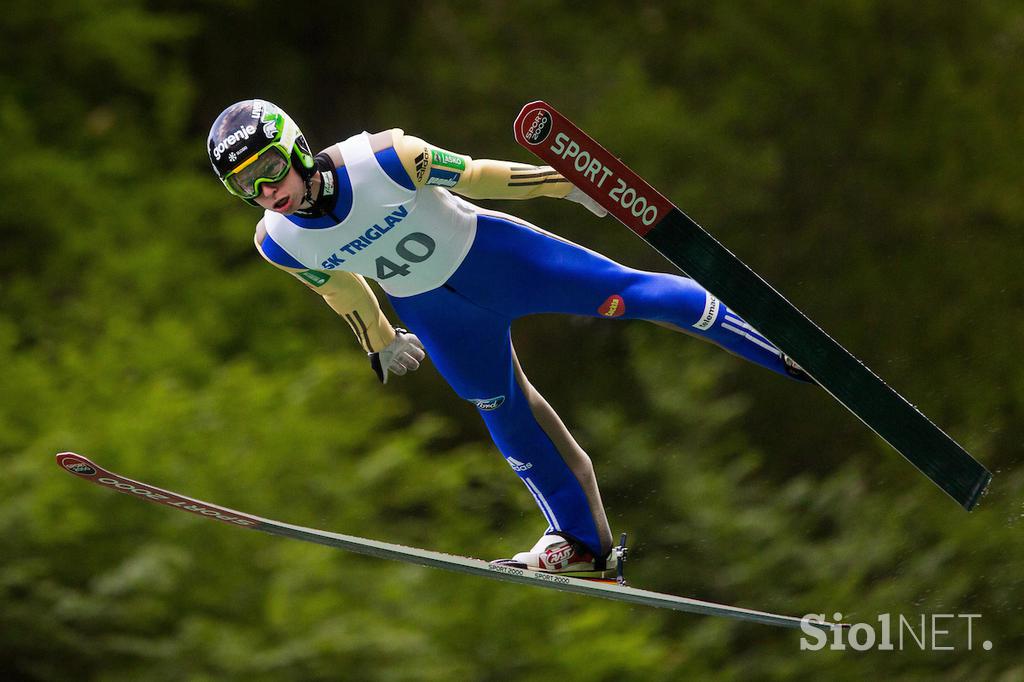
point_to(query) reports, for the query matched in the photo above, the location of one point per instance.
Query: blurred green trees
(863, 156)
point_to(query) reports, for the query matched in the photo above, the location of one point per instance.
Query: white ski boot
(557, 554)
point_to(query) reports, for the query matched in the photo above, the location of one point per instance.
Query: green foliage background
(863, 156)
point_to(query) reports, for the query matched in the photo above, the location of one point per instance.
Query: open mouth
(282, 203)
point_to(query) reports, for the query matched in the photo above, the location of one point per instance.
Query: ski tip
(534, 103)
(76, 464)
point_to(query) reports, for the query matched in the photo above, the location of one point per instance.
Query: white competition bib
(410, 241)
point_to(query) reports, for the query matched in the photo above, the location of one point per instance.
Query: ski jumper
(458, 275)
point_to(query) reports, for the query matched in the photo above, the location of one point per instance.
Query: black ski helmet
(248, 129)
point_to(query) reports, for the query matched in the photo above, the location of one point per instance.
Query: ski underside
(85, 468)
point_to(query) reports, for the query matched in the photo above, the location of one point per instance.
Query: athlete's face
(283, 196)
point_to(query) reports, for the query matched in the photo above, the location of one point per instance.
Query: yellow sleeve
(349, 295)
(428, 165)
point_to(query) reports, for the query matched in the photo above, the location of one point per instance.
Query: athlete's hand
(398, 357)
(580, 198)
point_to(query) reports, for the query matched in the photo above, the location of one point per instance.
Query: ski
(87, 469)
(541, 129)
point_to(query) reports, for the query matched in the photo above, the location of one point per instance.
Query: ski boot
(556, 553)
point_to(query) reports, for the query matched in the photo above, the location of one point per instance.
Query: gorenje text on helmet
(242, 133)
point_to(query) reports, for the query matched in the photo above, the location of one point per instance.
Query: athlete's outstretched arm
(482, 178)
(349, 295)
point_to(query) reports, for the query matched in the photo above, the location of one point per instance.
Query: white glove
(580, 198)
(398, 357)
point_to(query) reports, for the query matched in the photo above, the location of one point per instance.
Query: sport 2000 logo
(536, 126)
(934, 632)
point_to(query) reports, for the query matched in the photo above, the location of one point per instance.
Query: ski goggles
(271, 164)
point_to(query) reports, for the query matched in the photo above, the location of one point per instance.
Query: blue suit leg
(519, 269)
(472, 349)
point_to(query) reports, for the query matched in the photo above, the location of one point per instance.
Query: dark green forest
(863, 156)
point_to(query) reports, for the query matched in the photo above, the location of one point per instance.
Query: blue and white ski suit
(458, 275)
